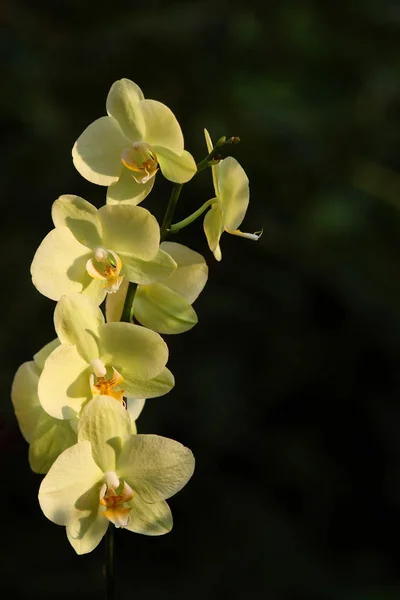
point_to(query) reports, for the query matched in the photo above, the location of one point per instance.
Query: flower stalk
(185, 222)
(109, 563)
(169, 213)
(127, 311)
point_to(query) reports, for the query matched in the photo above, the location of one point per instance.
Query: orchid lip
(103, 386)
(114, 501)
(106, 266)
(141, 160)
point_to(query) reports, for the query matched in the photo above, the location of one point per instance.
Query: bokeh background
(288, 388)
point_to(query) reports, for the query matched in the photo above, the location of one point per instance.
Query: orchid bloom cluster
(78, 400)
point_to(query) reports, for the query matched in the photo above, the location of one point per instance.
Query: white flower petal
(250, 236)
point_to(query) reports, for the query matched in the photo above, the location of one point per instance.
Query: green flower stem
(204, 164)
(208, 159)
(109, 562)
(169, 213)
(181, 224)
(128, 304)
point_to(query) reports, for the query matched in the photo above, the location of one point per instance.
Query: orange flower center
(113, 501)
(105, 387)
(141, 160)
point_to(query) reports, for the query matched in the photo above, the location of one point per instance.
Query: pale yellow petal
(123, 102)
(115, 302)
(80, 217)
(190, 276)
(97, 152)
(149, 388)
(159, 268)
(130, 229)
(127, 190)
(213, 228)
(58, 266)
(64, 383)
(25, 400)
(41, 356)
(52, 437)
(234, 192)
(85, 533)
(101, 422)
(134, 406)
(161, 126)
(159, 308)
(73, 478)
(214, 168)
(77, 321)
(178, 168)
(149, 519)
(155, 467)
(133, 350)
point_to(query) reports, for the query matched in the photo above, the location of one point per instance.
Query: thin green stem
(109, 562)
(128, 304)
(205, 162)
(185, 222)
(221, 142)
(169, 213)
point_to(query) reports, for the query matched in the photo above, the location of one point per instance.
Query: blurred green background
(288, 388)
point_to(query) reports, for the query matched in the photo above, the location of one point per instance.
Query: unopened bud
(221, 141)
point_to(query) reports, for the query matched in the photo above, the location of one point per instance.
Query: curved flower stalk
(92, 251)
(96, 358)
(231, 186)
(47, 437)
(112, 476)
(166, 306)
(125, 149)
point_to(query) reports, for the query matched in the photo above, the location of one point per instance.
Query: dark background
(287, 390)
